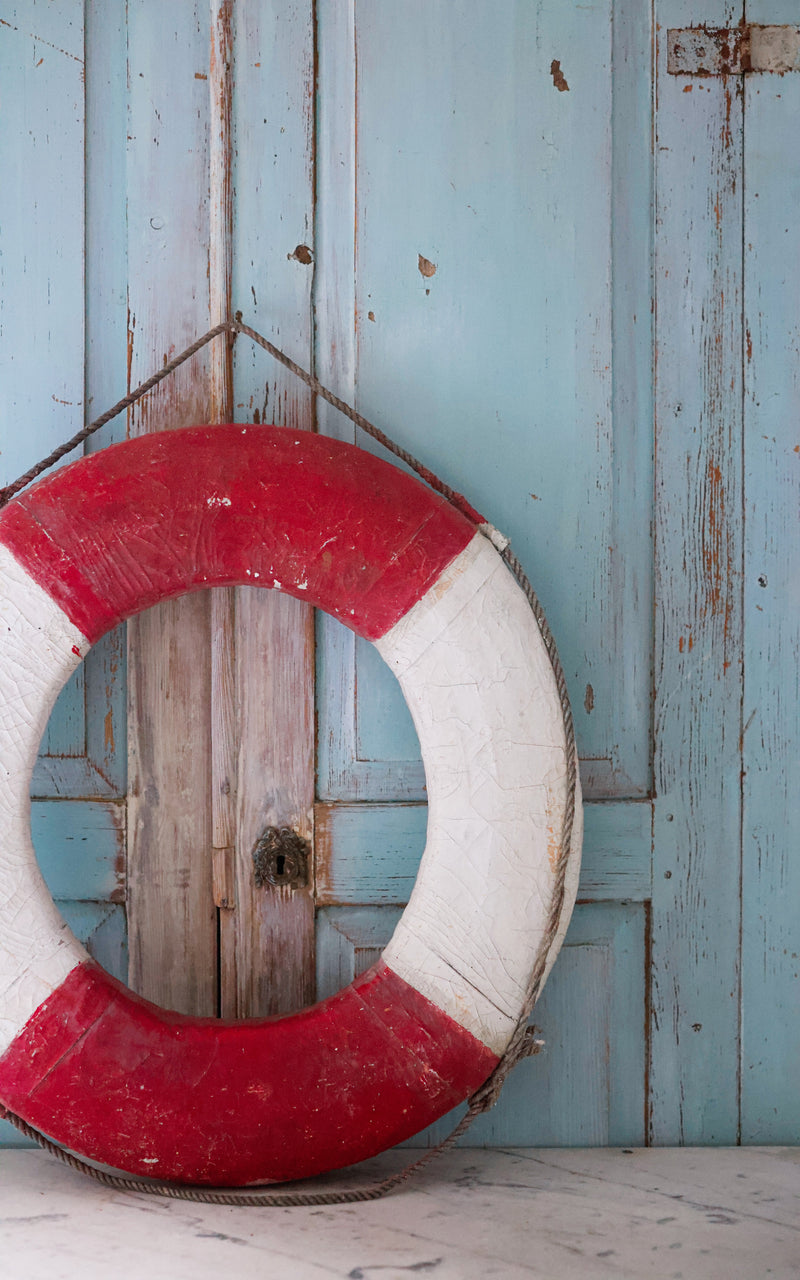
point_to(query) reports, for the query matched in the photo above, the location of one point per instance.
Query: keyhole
(280, 858)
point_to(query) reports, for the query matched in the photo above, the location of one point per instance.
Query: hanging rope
(524, 1042)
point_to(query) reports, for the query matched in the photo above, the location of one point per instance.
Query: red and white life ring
(195, 1100)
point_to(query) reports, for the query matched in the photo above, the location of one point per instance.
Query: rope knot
(524, 1044)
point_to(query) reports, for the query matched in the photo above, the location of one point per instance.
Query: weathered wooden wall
(566, 279)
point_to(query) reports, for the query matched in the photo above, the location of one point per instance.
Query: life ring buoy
(194, 1100)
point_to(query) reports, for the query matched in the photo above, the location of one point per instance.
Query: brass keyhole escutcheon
(280, 859)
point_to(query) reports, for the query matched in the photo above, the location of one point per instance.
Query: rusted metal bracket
(732, 51)
(280, 859)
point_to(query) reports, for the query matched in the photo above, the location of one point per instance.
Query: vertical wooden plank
(42, 208)
(771, 808)
(106, 340)
(698, 654)
(267, 942)
(335, 361)
(171, 908)
(223, 611)
(41, 268)
(271, 931)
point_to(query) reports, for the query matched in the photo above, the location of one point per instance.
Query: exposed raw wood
(172, 919)
(267, 943)
(220, 208)
(223, 609)
(270, 935)
(223, 744)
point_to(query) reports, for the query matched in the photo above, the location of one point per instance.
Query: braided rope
(524, 1042)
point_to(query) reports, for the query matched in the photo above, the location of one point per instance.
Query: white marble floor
(692, 1214)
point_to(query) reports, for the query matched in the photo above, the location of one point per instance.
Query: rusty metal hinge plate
(732, 51)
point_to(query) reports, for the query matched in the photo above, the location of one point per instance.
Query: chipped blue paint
(482, 257)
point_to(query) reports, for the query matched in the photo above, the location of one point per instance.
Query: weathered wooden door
(562, 275)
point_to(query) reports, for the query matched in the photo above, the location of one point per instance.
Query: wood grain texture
(223, 609)
(172, 918)
(771, 764)
(267, 942)
(271, 932)
(696, 906)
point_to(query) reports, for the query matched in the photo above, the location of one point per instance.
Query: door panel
(587, 1087)
(505, 338)
(537, 406)
(771, 711)
(370, 853)
(268, 939)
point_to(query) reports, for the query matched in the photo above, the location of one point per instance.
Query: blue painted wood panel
(48, 213)
(694, 1069)
(770, 1110)
(503, 332)
(517, 363)
(54, 205)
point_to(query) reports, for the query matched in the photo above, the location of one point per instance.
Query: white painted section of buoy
(478, 681)
(39, 650)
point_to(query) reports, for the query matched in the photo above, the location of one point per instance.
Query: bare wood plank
(171, 909)
(698, 653)
(223, 640)
(267, 943)
(272, 928)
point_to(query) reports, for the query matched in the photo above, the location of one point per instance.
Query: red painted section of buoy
(203, 1101)
(151, 518)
